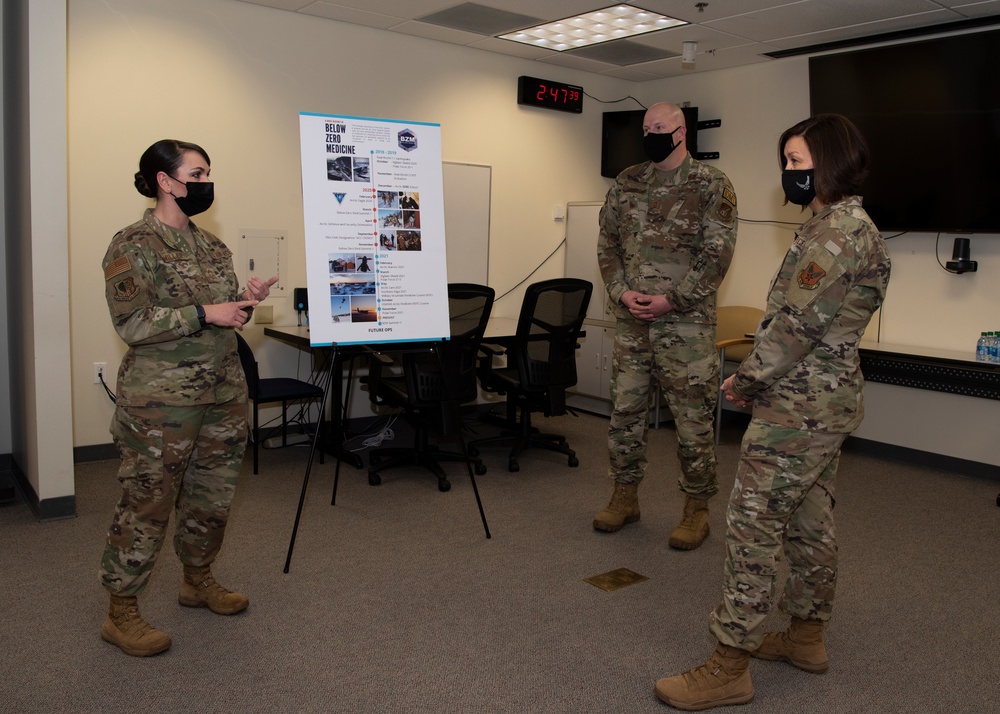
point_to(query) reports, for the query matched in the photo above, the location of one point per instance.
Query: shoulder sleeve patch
(811, 276)
(117, 267)
(729, 196)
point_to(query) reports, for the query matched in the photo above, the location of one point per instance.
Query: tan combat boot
(623, 508)
(722, 681)
(801, 645)
(125, 628)
(693, 527)
(199, 589)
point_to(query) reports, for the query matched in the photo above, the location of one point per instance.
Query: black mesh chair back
(469, 308)
(436, 380)
(271, 390)
(541, 365)
(551, 318)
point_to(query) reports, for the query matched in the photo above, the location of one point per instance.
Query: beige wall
(233, 77)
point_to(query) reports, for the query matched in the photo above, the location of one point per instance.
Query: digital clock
(534, 92)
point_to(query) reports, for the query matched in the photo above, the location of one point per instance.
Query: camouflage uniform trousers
(188, 457)
(782, 500)
(684, 359)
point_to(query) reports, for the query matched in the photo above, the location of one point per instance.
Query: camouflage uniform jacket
(669, 233)
(803, 371)
(152, 283)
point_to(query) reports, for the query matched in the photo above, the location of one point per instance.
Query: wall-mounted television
(930, 111)
(621, 139)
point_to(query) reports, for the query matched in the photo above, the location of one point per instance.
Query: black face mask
(799, 186)
(200, 195)
(659, 146)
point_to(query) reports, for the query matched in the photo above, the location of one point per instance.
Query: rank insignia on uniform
(117, 267)
(126, 289)
(810, 276)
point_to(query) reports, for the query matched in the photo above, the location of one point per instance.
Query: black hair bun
(142, 187)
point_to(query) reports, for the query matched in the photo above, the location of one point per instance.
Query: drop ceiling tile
(351, 15)
(863, 30)
(714, 9)
(809, 16)
(293, 5)
(674, 38)
(509, 47)
(437, 32)
(480, 19)
(979, 9)
(753, 53)
(403, 9)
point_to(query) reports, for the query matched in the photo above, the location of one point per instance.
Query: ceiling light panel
(611, 23)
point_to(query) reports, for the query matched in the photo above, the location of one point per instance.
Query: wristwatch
(201, 315)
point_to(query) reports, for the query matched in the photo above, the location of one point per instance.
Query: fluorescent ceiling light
(611, 23)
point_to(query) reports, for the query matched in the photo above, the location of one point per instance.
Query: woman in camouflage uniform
(180, 418)
(804, 383)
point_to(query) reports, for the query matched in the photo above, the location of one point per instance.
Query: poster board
(373, 208)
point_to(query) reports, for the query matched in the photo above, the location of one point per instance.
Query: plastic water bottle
(982, 351)
(994, 348)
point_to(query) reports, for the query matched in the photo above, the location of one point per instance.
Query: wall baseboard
(49, 509)
(922, 458)
(8, 493)
(96, 452)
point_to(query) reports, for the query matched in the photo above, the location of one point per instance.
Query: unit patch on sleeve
(810, 276)
(126, 289)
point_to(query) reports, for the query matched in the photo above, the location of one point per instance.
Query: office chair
(275, 389)
(436, 380)
(541, 365)
(733, 324)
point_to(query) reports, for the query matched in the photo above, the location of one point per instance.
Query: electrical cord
(615, 101)
(111, 395)
(537, 268)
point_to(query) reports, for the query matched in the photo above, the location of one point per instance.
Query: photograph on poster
(340, 308)
(408, 240)
(361, 172)
(364, 309)
(390, 218)
(411, 219)
(339, 169)
(410, 200)
(388, 199)
(387, 240)
(352, 285)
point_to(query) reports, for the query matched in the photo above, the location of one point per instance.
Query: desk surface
(960, 357)
(497, 328)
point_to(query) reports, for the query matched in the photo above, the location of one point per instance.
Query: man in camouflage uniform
(805, 385)
(667, 236)
(180, 420)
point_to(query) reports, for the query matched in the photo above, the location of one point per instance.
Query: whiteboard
(467, 221)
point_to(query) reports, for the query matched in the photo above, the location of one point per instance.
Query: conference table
(499, 330)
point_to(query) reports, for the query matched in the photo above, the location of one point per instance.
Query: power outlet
(100, 368)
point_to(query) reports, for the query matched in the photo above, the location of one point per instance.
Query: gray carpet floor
(397, 602)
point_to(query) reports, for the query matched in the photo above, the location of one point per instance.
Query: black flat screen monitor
(621, 139)
(930, 111)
